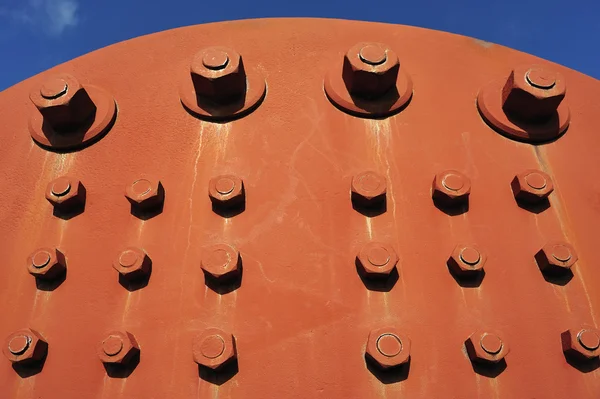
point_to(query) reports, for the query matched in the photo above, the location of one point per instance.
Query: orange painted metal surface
(300, 208)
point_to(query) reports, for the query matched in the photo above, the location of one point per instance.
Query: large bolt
(66, 194)
(63, 102)
(531, 186)
(226, 192)
(25, 347)
(533, 93)
(581, 343)
(133, 264)
(451, 188)
(377, 260)
(387, 348)
(46, 263)
(368, 189)
(466, 261)
(145, 194)
(118, 347)
(370, 70)
(221, 262)
(556, 258)
(218, 74)
(214, 348)
(486, 347)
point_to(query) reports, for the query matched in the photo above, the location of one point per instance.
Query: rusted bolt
(66, 193)
(25, 347)
(46, 263)
(133, 264)
(466, 261)
(581, 343)
(214, 348)
(63, 102)
(486, 347)
(368, 189)
(145, 194)
(556, 257)
(221, 261)
(533, 93)
(370, 69)
(377, 260)
(451, 188)
(118, 347)
(531, 186)
(387, 348)
(218, 74)
(226, 191)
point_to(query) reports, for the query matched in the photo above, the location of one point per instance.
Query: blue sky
(38, 34)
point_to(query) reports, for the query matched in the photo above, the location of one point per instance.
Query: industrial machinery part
(295, 208)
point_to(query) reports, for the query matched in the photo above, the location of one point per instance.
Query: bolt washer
(106, 112)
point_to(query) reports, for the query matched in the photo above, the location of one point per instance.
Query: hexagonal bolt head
(226, 191)
(370, 70)
(46, 263)
(214, 348)
(531, 186)
(451, 188)
(218, 74)
(133, 264)
(221, 262)
(25, 347)
(145, 194)
(582, 344)
(377, 260)
(118, 347)
(533, 93)
(63, 102)
(387, 348)
(466, 261)
(66, 193)
(556, 258)
(368, 189)
(486, 347)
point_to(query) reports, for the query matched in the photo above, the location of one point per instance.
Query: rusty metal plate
(290, 249)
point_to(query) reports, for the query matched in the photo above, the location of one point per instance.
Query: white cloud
(52, 16)
(62, 14)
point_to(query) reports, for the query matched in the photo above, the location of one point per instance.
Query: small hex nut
(466, 261)
(556, 257)
(46, 263)
(451, 188)
(63, 102)
(370, 69)
(226, 191)
(221, 262)
(533, 93)
(368, 189)
(145, 194)
(218, 74)
(581, 343)
(214, 348)
(118, 347)
(26, 346)
(377, 260)
(531, 186)
(133, 264)
(65, 193)
(387, 348)
(486, 347)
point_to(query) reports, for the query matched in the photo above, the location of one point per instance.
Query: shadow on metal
(138, 283)
(388, 376)
(220, 375)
